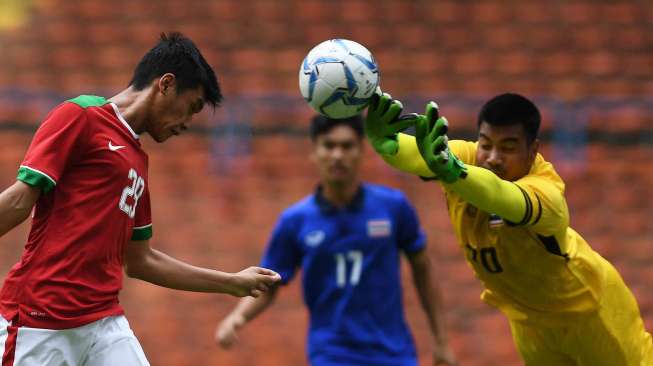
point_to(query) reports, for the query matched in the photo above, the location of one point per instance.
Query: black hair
(178, 55)
(512, 109)
(321, 125)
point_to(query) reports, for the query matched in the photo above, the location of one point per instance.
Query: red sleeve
(143, 218)
(57, 142)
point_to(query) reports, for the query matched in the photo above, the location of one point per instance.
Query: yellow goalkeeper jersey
(538, 269)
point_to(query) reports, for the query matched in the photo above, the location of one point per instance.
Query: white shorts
(108, 341)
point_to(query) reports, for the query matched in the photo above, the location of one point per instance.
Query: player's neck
(131, 104)
(340, 195)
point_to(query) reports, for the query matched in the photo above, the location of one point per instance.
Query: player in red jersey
(85, 177)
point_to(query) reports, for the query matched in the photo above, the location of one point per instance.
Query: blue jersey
(350, 274)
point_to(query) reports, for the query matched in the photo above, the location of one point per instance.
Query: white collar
(124, 122)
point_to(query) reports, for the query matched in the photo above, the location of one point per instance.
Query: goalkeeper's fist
(383, 123)
(432, 141)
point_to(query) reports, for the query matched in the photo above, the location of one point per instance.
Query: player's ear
(313, 155)
(533, 150)
(361, 143)
(167, 83)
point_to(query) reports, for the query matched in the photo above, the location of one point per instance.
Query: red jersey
(94, 198)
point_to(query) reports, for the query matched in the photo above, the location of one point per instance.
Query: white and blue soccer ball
(338, 77)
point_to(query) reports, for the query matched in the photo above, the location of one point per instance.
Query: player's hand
(226, 334)
(433, 144)
(253, 281)
(383, 123)
(443, 356)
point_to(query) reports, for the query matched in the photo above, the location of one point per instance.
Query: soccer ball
(338, 77)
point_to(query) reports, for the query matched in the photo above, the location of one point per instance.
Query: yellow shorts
(612, 336)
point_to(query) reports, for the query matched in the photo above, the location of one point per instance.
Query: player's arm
(478, 186)
(247, 309)
(431, 300)
(485, 190)
(16, 203)
(412, 241)
(56, 143)
(408, 158)
(145, 263)
(281, 254)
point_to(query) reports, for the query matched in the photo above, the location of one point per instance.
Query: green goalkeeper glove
(432, 142)
(383, 123)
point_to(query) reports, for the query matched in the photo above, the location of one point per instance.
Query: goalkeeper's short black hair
(178, 55)
(321, 125)
(512, 109)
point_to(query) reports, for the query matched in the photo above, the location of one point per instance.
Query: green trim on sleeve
(35, 178)
(142, 233)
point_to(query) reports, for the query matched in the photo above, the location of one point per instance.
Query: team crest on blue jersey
(379, 228)
(314, 238)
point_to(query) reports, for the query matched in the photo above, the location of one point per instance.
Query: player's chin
(162, 137)
(339, 172)
(339, 179)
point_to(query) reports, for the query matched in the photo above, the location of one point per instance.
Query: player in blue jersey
(347, 237)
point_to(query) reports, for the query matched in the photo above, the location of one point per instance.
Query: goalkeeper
(566, 304)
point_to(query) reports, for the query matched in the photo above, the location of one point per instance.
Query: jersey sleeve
(57, 142)
(143, 218)
(282, 253)
(410, 236)
(408, 159)
(547, 211)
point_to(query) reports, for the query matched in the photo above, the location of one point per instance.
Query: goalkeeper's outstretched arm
(487, 192)
(481, 187)
(478, 186)
(408, 159)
